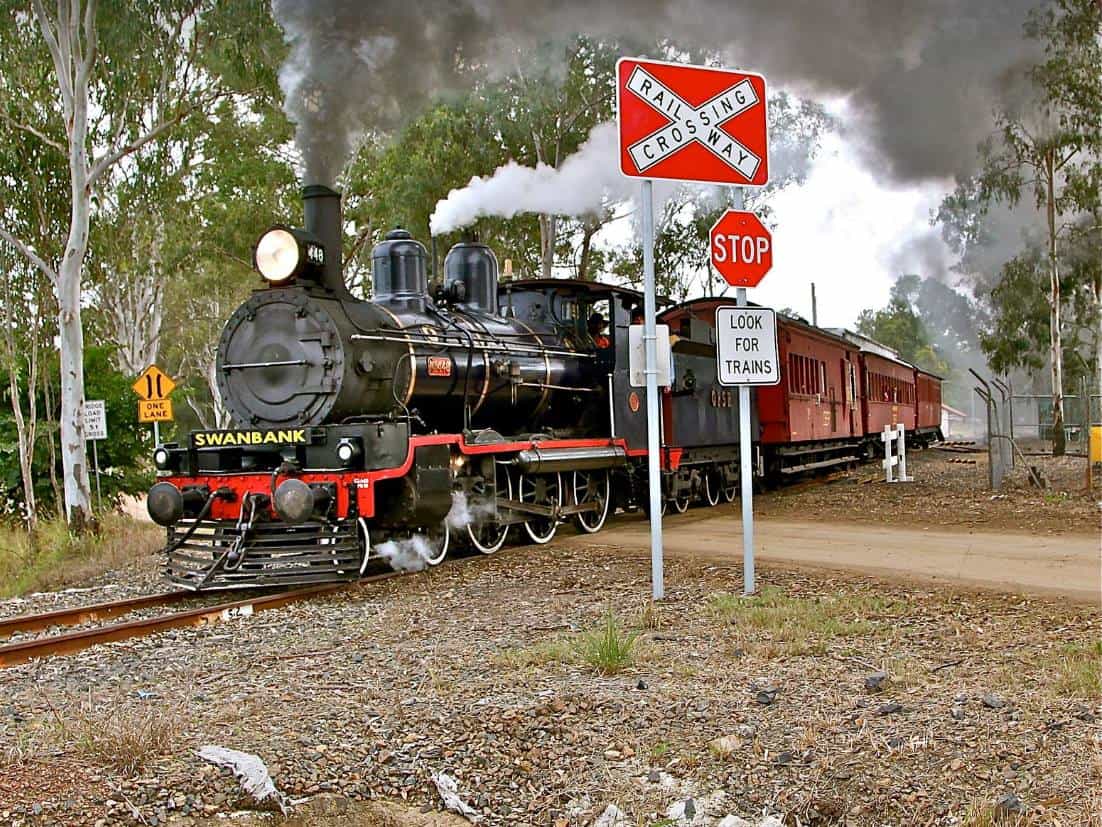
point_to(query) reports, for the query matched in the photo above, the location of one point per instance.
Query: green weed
(608, 648)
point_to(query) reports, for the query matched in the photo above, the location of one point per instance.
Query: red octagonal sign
(742, 248)
(691, 123)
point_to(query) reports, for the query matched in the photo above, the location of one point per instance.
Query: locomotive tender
(443, 413)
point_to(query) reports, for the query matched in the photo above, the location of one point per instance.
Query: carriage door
(849, 380)
(833, 410)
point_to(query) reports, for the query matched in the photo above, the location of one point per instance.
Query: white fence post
(895, 453)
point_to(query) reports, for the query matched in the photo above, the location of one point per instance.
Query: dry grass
(52, 558)
(118, 734)
(793, 625)
(981, 814)
(555, 650)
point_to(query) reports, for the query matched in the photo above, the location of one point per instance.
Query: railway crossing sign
(691, 123)
(746, 346)
(741, 248)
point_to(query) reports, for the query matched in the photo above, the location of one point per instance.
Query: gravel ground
(473, 669)
(948, 490)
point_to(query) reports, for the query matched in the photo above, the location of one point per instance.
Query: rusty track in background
(69, 642)
(84, 614)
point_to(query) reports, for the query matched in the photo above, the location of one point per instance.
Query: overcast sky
(845, 229)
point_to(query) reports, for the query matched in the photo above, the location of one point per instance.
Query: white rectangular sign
(95, 419)
(637, 357)
(746, 346)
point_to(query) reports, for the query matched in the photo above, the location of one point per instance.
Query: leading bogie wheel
(592, 487)
(544, 490)
(711, 488)
(488, 536)
(681, 504)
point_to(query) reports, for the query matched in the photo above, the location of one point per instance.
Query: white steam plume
(464, 512)
(412, 554)
(587, 180)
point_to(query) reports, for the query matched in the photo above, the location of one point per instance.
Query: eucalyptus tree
(96, 82)
(1046, 152)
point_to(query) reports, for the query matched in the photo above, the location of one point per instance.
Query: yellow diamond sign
(154, 384)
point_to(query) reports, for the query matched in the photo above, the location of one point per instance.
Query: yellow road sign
(154, 384)
(155, 410)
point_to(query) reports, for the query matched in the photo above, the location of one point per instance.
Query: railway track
(67, 643)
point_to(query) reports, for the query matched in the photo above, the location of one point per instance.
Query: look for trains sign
(691, 123)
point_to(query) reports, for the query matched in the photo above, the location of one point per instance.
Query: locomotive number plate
(440, 366)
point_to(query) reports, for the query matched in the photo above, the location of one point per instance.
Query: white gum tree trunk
(70, 35)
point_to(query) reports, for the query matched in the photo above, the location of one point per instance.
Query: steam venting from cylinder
(322, 217)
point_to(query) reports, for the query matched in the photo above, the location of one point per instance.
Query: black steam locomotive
(430, 415)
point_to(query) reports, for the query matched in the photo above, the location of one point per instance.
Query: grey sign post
(746, 355)
(95, 429)
(654, 466)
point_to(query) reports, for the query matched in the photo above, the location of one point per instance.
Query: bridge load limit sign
(691, 123)
(746, 346)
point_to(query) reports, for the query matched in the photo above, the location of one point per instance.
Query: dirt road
(1065, 565)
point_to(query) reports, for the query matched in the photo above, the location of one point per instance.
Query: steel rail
(84, 614)
(70, 642)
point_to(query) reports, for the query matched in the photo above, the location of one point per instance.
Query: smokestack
(321, 208)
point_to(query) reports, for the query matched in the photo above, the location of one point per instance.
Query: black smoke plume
(923, 77)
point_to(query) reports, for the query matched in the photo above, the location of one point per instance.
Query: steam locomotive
(433, 415)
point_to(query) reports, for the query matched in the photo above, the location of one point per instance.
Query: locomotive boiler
(306, 352)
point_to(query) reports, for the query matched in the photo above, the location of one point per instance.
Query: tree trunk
(1056, 350)
(74, 458)
(588, 231)
(26, 425)
(548, 229)
(134, 307)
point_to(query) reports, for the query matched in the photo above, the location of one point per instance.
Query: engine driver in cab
(597, 327)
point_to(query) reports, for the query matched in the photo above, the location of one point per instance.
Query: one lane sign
(746, 346)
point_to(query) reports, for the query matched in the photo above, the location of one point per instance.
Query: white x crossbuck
(688, 123)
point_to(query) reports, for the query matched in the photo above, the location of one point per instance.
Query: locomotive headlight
(160, 458)
(347, 451)
(277, 255)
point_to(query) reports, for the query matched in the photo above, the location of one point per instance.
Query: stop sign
(742, 248)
